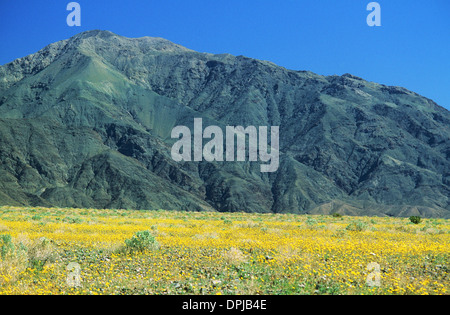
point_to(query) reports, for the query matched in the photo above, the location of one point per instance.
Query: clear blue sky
(410, 49)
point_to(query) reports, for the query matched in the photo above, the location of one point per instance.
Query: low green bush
(415, 219)
(141, 241)
(357, 226)
(7, 247)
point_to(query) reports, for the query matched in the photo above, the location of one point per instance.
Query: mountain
(87, 121)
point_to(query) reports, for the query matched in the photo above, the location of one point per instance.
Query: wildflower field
(87, 251)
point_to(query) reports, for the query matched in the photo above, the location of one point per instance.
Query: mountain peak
(95, 33)
(144, 43)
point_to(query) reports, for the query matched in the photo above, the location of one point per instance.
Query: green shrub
(311, 221)
(357, 226)
(36, 217)
(13, 258)
(71, 220)
(7, 247)
(141, 241)
(336, 215)
(10, 250)
(415, 219)
(35, 254)
(41, 252)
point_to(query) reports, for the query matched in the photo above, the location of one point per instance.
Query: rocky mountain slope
(86, 122)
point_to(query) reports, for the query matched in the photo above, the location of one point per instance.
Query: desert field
(105, 252)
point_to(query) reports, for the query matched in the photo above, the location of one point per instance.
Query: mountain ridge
(347, 144)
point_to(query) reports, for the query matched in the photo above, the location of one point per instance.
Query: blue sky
(410, 49)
